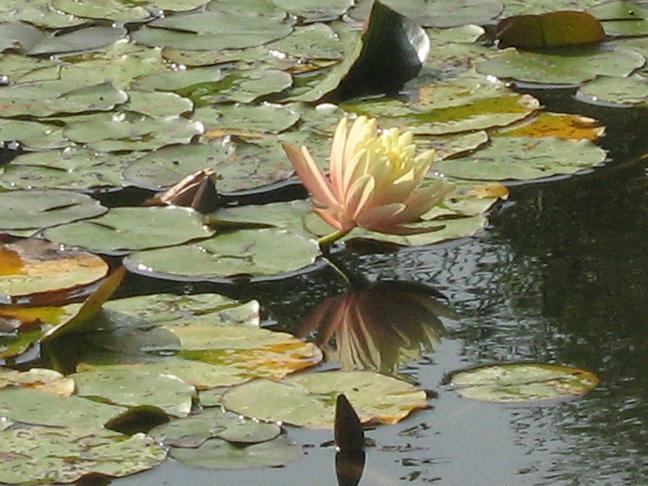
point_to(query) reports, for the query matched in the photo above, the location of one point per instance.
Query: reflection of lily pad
(29, 267)
(220, 454)
(259, 253)
(136, 388)
(193, 431)
(39, 209)
(45, 455)
(121, 229)
(524, 158)
(522, 382)
(309, 399)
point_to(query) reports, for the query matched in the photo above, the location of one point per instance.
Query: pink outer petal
(380, 217)
(336, 162)
(337, 221)
(310, 175)
(421, 201)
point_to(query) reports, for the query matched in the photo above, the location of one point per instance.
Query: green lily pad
(78, 40)
(609, 90)
(18, 36)
(193, 431)
(626, 28)
(315, 41)
(521, 7)
(37, 407)
(17, 343)
(525, 158)
(17, 68)
(31, 266)
(221, 454)
(211, 30)
(123, 10)
(32, 135)
(44, 455)
(619, 10)
(568, 65)
(522, 382)
(257, 254)
(453, 145)
(35, 209)
(134, 388)
(121, 229)
(45, 98)
(72, 169)
(245, 120)
(177, 80)
(447, 13)
(160, 308)
(314, 10)
(106, 132)
(308, 400)
(37, 12)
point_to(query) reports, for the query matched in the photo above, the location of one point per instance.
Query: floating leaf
(567, 65)
(37, 12)
(121, 229)
(315, 41)
(519, 7)
(220, 454)
(525, 158)
(177, 80)
(32, 267)
(552, 29)
(619, 10)
(309, 399)
(522, 382)
(263, 253)
(447, 13)
(123, 11)
(44, 455)
(44, 98)
(72, 168)
(626, 28)
(387, 36)
(608, 90)
(22, 210)
(77, 40)
(37, 407)
(211, 30)
(245, 120)
(49, 381)
(561, 125)
(32, 135)
(314, 10)
(194, 430)
(135, 388)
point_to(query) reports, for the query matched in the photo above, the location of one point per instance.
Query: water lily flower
(374, 179)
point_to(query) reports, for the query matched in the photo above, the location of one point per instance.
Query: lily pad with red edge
(36, 270)
(522, 382)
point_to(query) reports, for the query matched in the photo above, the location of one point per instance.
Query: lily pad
(23, 210)
(522, 382)
(44, 455)
(212, 30)
(619, 10)
(220, 454)
(257, 254)
(36, 407)
(32, 135)
(193, 431)
(43, 98)
(525, 158)
(562, 125)
(71, 168)
(178, 79)
(49, 381)
(315, 10)
(520, 7)
(626, 28)
(123, 10)
(121, 229)
(615, 91)
(308, 400)
(134, 388)
(30, 267)
(447, 13)
(245, 120)
(568, 65)
(37, 12)
(315, 41)
(16, 68)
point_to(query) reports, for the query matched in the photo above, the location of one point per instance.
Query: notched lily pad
(522, 382)
(308, 399)
(121, 229)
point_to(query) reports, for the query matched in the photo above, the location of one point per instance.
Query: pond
(557, 275)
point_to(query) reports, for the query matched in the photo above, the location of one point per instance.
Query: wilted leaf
(552, 29)
(42, 379)
(561, 125)
(522, 382)
(31, 267)
(309, 399)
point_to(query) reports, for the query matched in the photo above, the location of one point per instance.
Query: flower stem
(326, 241)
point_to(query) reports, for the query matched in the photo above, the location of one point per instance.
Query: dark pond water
(560, 276)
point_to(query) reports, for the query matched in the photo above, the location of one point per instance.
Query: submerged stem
(326, 241)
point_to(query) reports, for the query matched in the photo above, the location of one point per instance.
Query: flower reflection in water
(380, 326)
